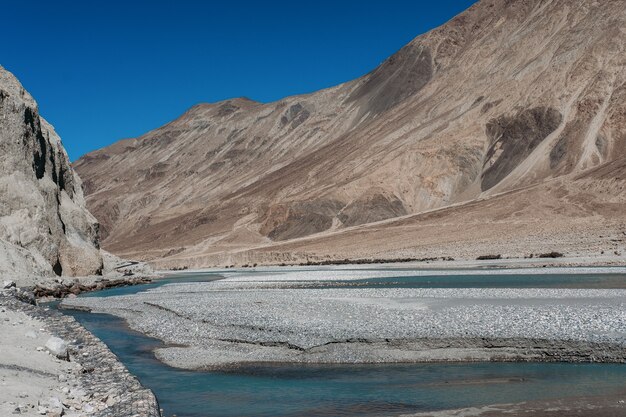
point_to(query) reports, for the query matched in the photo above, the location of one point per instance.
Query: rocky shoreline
(96, 382)
(61, 288)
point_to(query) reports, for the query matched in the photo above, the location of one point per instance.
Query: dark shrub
(488, 257)
(551, 255)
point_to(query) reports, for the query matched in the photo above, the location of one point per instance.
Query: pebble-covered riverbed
(269, 318)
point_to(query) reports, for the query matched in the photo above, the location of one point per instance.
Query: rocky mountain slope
(505, 126)
(45, 229)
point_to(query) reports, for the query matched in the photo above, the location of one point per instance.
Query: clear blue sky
(107, 70)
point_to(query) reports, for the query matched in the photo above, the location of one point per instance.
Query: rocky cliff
(45, 229)
(506, 97)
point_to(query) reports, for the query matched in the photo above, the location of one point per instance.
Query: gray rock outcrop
(45, 229)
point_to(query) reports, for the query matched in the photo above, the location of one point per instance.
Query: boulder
(57, 347)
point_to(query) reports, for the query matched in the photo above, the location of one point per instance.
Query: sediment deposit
(273, 319)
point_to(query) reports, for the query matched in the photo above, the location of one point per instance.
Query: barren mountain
(502, 130)
(45, 229)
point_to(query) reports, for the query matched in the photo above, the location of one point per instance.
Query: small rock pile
(9, 289)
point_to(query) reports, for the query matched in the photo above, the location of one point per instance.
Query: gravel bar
(269, 319)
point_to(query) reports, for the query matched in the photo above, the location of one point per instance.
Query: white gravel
(240, 319)
(358, 272)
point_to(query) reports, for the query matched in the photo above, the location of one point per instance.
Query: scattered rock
(23, 295)
(8, 284)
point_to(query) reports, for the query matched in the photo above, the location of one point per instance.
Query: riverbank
(52, 365)
(591, 262)
(61, 288)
